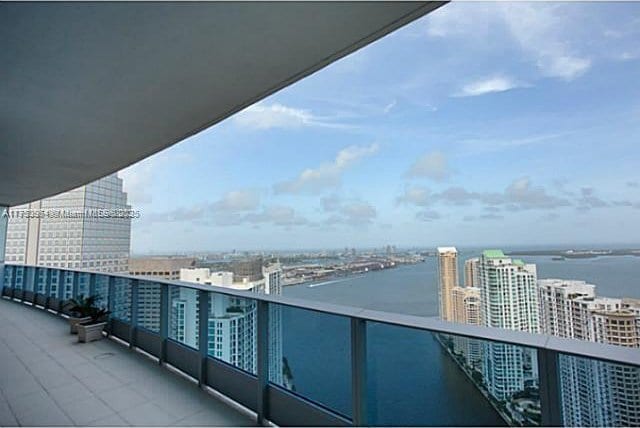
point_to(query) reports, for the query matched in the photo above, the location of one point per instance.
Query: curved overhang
(87, 89)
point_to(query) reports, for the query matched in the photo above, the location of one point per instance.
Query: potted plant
(79, 311)
(91, 330)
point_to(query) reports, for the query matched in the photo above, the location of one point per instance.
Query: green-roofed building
(509, 299)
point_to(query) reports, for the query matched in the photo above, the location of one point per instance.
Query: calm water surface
(411, 381)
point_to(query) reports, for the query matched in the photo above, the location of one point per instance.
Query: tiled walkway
(47, 378)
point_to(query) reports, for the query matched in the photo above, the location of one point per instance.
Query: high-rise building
(160, 267)
(466, 310)
(571, 309)
(509, 299)
(233, 320)
(471, 275)
(447, 280)
(88, 227)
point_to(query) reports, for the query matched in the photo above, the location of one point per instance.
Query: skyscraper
(467, 310)
(447, 280)
(570, 308)
(88, 227)
(471, 276)
(233, 320)
(509, 299)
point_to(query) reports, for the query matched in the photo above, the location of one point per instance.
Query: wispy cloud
(432, 165)
(541, 31)
(488, 86)
(327, 175)
(263, 116)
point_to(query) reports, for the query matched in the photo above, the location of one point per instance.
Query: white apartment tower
(447, 280)
(467, 310)
(232, 320)
(509, 299)
(571, 309)
(74, 229)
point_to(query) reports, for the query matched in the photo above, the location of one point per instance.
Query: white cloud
(488, 86)
(263, 116)
(432, 165)
(138, 179)
(543, 32)
(387, 109)
(420, 196)
(327, 175)
(237, 201)
(279, 215)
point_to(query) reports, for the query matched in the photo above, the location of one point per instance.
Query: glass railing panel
(598, 393)
(102, 290)
(232, 331)
(310, 355)
(415, 377)
(67, 290)
(183, 315)
(8, 275)
(29, 278)
(41, 280)
(19, 272)
(54, 280)
(149, 296)
(83, 284)
(122, 299)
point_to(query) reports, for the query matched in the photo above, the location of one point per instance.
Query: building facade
(84, 228)
(471, 273)
(509, 299)
(233, 320)
(571, 309)
(447, 280)
(160, 267)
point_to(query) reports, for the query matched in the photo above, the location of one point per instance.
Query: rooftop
(48, 379)
(493, 254)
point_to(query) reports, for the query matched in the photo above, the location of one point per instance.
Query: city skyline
(438, 132)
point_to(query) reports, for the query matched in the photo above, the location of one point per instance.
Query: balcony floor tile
(48, 379)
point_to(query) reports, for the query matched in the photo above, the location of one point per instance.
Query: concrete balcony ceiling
(89, 88)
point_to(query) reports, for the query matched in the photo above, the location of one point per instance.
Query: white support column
(4, 222)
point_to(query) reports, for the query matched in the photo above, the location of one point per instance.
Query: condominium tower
(88, 227)
(471, 277)
(232, 320)
(571, 309)
(447, 280)
(509, 299)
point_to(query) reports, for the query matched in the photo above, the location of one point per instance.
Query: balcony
(281, 360)
(48, 379)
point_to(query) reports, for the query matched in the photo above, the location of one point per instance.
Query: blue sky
(480, 124)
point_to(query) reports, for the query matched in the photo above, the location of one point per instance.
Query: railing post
(14, 277)
(133, 317)
(47, 288)
(62, 278)
(164, 322)
(549, 386)
(359, 371)
(262, 348)
(111, 297)
(203, 334)
(75, 285)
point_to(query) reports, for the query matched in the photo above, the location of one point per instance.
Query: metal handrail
(574, 347)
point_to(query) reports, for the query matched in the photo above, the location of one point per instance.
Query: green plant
(82, 306)
(97, 315)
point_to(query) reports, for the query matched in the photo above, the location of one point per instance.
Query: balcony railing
(297, 362)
